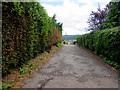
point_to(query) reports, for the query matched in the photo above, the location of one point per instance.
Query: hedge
(105, 43)
(27, 31)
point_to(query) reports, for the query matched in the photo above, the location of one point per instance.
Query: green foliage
(25, 71)
(20, 76)
(59, 45)
(105, 43)
(12, 81)
(74, 42)
(113, 17)
(106, 18)
(9, 82)
(6, 87)
(27, 32)
(112, 63)
(30, 65)
(65, 42)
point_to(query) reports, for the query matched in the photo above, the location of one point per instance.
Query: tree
(58, 25)
(113, 17)
(97, 18)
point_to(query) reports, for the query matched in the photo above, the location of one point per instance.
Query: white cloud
(73, 13)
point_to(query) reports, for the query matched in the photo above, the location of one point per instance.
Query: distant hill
(69, 37)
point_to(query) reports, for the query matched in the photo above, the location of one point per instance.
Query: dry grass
(28, 69)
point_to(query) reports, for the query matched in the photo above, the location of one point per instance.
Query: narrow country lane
(73, 67)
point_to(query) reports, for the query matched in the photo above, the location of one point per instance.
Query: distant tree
(113, 17)
(54, 18)
(57, 24)
(97, 18)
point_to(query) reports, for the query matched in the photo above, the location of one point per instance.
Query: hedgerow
(104, 43)
(27, 31)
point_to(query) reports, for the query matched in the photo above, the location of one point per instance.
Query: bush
(74, 42)
(104, 43)
(65, 42)
(27, 32)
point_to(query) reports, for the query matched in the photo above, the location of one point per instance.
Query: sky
(72, 13)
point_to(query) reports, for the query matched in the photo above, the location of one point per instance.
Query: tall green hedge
(105, 43)
(27, 31)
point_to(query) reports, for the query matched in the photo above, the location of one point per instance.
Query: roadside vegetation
(27, 32)
(104, 40)
(103, 43)
(15, 79)
(65, 42)
(30, 37)
(74, 42)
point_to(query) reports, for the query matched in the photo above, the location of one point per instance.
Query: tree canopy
(113, 17)
(105, 18)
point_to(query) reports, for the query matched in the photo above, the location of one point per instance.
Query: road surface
(74, 67)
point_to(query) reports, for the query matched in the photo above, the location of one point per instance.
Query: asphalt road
(73, 67)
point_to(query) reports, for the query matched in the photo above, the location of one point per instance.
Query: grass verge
(15, 79)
